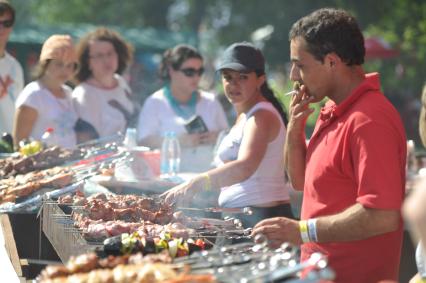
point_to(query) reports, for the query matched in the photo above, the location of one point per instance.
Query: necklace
(183, 111)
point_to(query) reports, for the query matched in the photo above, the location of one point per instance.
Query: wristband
(303, 227)
(208, 182)
(312, 230)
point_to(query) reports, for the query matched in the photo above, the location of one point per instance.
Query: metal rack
(251, 262)
(59, 229)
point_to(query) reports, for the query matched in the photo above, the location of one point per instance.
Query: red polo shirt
(357, 154)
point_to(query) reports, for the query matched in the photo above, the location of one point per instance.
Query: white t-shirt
(268, 182)
(421, 260)
(157, 117)
(12, 76)
(53, 112)
(91, 104)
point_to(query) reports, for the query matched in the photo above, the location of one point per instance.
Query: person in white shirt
(46, 102)
(103, 98)
(251, 160)
(11, 75)
(414, 214)
(172, 107)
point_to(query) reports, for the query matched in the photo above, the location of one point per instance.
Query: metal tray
(59, 229)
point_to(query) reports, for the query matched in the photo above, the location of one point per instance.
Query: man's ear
(332, 60)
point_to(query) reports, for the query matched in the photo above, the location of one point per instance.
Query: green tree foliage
(100, 12)
(402, 23)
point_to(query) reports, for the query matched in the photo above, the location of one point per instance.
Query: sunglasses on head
(191, 72)
(6, 23)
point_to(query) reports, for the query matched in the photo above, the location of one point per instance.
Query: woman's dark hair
(124, 51)
(270, 96)
(174, 57)
(331, 30)
(5, 7)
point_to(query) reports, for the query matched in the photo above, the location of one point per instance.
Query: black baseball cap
(242, 57)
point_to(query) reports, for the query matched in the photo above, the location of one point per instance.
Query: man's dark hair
(331, 30)
(5, 7)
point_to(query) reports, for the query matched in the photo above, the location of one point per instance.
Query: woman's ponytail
(270, 96)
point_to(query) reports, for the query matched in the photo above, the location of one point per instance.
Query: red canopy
(378, 48)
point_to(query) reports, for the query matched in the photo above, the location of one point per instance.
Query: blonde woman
(46, 102)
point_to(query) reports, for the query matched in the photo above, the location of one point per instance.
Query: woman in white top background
(170, 108)
(251, 163)
(46, 102)
(103, 98)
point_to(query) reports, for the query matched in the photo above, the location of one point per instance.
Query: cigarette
(293, 92)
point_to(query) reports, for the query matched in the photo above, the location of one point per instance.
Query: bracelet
(208, 182)
(312, 230)
(303, 227)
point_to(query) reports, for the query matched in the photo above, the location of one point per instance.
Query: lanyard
(183, 111)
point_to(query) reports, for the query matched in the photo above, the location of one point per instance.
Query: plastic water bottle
(170, 155)
(130, 138)
(49, 138)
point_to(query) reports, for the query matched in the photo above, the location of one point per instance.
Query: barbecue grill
(64, 237)
(68, 240)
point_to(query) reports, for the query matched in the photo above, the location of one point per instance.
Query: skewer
(76, 206)
(74, 229)
(244, 210)
(60, 215)
(102, 141)
(49, 202)
(64, 221)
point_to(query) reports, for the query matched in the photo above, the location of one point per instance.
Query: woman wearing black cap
(251, 164)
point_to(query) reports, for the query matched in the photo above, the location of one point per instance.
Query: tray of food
(86, 222)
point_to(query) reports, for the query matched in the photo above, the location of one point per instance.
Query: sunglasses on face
(6, 23)
(191, 72)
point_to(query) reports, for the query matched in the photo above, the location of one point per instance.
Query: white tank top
(268, 183)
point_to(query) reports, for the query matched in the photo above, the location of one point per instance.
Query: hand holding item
(183, 194)
(299, 110)
(208, 137)
(189, 140)
(278, 230)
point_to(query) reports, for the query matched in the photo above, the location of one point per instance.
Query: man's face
(308, 71)
(5, 29)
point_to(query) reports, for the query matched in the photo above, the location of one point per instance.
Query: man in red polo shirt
(352, 171)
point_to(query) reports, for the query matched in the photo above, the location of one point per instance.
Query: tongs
(243, 210)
